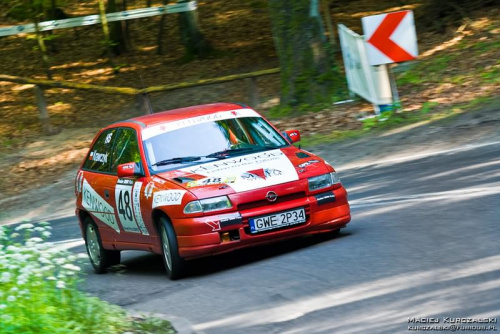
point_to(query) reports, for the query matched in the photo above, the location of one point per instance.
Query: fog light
(224, 237)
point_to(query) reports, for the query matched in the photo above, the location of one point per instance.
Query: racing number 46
(124, 207)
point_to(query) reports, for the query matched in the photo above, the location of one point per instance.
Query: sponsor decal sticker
(168, 197)
(215, 225)
(136, 200)
(307, 163)
(171, 126)
(128, 166)
(159, 180)
(324, 198)
(125, 181)
(99, 157)
(211, 181)
(79, 181)
(262, 173)
(254, 171)
(235, 219)
(98, 207)
(108, 138)
(148, 190)
(227, 220)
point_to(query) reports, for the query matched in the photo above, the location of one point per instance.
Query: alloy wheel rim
(166, 249)
(93, 245)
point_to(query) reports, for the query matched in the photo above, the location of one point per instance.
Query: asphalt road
(423, 243)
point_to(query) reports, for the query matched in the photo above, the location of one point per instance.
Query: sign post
(369, 82)
(390, 38)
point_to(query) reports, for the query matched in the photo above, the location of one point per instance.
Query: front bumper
(203, 236)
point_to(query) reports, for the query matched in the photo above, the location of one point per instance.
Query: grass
(39, 291)
(491, 75)
(392, 120)
(334, 136)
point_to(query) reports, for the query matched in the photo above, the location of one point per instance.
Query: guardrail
(95, 19)
(140, 94)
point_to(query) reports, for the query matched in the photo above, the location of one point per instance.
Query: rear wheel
(100, 258)
(174, 264)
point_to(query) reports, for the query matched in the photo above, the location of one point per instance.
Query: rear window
(99, 159)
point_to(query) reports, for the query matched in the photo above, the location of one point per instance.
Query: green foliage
(457, 79)
(280, 111)
(492, 75)
(258, 4)
(23, 10)
(426, 71)
(486, 46)
(411, 78)
(428, 106)
(152, 325)
(337, 135)
(38, 290)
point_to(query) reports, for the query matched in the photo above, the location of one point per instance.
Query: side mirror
(130, 169)
(294, 135)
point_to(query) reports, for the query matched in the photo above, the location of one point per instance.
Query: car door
(93, 182)
(127, 192)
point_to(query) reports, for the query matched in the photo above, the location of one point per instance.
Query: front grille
(264, 202)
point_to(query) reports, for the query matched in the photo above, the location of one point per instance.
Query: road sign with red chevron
(390, 38)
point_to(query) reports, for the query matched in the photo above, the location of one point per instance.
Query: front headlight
(208, 204)
(319, 182)
(323, 181)
(335, 178)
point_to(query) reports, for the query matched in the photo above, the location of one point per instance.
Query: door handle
(106, 193)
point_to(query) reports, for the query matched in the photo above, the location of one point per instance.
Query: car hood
(247, 172)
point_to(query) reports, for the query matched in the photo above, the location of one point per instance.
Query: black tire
(174, 264)
(335, 233)
(99, 257)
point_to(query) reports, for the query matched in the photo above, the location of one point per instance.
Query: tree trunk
(105, 30)
(328, 19)
(309, 75)
(191, 36)
(43, 49)
(119, 33)
(52, 16)
(161, 32)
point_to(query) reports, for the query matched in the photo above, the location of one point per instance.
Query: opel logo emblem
(271, 196)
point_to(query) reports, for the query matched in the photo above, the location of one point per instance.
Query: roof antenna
(145, 98)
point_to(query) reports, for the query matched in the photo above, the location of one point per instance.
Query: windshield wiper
(227, 153)
(217, 155)
(178, 160)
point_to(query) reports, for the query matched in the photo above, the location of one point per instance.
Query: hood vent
(182, 179)
(302, 155)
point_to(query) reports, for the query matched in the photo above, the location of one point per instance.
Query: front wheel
(100, 258)
(174, 264)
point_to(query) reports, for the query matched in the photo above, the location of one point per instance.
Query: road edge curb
(181, 325)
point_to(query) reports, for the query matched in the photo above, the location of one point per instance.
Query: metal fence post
(253, 92)
(44, 114)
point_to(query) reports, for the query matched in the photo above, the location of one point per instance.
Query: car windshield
(208, 141)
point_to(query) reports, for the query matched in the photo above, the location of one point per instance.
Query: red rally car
(198, 181)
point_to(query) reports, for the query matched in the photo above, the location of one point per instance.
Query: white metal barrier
(95, 19)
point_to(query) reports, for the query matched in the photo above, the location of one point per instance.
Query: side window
(126, 149)
(99, 159)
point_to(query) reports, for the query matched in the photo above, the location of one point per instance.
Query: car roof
(182, 113)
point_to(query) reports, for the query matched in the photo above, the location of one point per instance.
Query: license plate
(277, 220)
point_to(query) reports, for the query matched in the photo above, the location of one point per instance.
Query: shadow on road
(152, 264)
